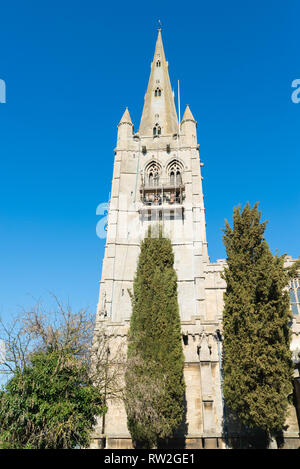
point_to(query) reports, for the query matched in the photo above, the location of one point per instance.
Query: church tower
(157, 178)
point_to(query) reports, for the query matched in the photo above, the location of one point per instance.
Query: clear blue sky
(71, 68)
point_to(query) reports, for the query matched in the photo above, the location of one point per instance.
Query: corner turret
(188, 127)
(125, 127)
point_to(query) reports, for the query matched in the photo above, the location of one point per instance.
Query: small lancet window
(178, 178)
(175, 178)
(153, 179)
(172, 178)
(156, 130)
(158, 63)
(157, 92)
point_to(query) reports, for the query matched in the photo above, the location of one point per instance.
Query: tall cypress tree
(154, 381)
(257, 358)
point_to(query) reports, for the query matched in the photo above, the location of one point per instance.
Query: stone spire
(159, 107)
(125, 128)
(126, 119)
(187, 116)
(188, 127)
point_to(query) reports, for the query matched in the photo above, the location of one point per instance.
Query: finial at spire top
(159, 25)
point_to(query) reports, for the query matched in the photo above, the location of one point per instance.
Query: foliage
(51, 404)
(57, 384)
(154, 378)
(257, 358)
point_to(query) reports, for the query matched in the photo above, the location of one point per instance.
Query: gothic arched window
(152, 174)
(175, 172)
(158, 63)
(157, 92)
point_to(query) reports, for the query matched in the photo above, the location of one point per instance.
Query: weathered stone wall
(200, 286)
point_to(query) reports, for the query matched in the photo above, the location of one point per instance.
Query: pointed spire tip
(188, 116)
(159, 95)
(126, 117)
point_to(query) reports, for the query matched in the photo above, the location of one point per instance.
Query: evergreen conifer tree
(154, 379)
(257, 358)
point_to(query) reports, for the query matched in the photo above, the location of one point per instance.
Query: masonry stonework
(157, 179)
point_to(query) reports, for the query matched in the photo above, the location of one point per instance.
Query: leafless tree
(42, 329)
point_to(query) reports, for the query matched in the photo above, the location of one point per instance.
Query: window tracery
(152, 174)
(175, 173)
